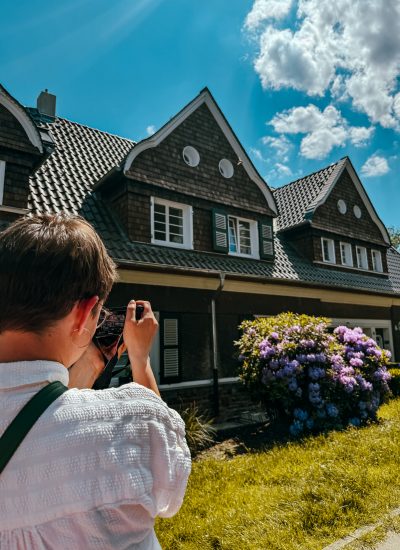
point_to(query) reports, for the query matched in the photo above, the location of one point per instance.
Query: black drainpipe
(215, 344)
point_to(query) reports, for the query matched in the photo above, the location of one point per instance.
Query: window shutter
(266, 237)
(170, 349)
(220, 231)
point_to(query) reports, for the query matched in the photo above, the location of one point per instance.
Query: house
(196, 230)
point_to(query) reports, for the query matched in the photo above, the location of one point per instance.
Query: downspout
(215, 344)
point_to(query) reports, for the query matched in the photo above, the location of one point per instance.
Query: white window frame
(2, 179)
(350, 248)
(380, 264)
(187, 224)
(365, 255)
(331, 246)
(254, 243)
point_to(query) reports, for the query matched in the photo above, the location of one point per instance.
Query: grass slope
(295, 496)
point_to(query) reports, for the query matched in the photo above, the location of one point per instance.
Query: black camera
(108, 338)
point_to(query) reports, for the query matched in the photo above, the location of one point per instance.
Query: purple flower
(355, 362)
(296, 428)
(274, 336)
(300, 414)
(332, 410)
(315, 373)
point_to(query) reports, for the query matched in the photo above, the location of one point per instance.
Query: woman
(98, 466)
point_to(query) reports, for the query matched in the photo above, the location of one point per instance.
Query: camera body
(108, 338)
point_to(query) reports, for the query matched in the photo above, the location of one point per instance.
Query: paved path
(391, 543)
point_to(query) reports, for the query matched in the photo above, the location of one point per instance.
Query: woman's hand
(87, 369)
(138, 338)
(139, 335)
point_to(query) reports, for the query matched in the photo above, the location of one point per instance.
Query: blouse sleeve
(160, 461)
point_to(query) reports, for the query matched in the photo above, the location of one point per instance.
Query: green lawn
(301, 495)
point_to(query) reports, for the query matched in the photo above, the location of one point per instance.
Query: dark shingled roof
(83, 155)
(299, 197)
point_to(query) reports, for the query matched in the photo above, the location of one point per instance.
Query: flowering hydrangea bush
(317, 379)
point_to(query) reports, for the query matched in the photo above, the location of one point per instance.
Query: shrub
(394, 382)
(199, 430)
(318, 380)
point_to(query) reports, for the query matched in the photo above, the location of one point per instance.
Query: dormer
(329, 218)
(22, 150)
(192, 185)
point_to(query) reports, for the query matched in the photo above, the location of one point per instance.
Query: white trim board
(2, 179)
(204, 97)
(198, 383)
(19, 113)
(325, 192)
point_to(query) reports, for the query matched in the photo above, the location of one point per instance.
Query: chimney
(46, 104)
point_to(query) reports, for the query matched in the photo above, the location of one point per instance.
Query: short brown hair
(47, 263)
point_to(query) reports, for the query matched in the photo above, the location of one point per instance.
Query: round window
(357, 211)
(342, 206)
(226, 168)
(191, 156)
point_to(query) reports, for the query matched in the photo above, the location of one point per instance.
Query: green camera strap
(25, 419)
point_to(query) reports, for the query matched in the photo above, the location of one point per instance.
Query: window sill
(172, 245)
(248, 256)
(353, 268)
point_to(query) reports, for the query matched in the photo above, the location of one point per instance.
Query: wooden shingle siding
(328, 217)
(131, 204)
(164, 166)
(12, 135)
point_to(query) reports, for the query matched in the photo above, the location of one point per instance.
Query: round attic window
(226, 168)
(342, 206)
(191, 156)
(357, 211)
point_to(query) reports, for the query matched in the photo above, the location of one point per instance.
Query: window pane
(159, 208)
(244, 237)
(327, 251)
(232, 235)
(160, 235)
(159, 222)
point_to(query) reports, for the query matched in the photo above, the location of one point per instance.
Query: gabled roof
(297, 201)
(83, 155)
(205, 97)
(23, 117)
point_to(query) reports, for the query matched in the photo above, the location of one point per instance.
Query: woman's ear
(83, 312)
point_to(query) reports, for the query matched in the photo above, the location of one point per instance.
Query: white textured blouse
(96, 468)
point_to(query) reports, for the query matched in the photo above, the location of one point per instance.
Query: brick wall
(233, 400)
(164, 166)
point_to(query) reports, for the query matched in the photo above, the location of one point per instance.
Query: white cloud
(324, 129)
(375, 166)
(266, 9)
(150, 130)
(349, 48)
(283, 170)
(359, 135)
(257, 154)
(281, 144)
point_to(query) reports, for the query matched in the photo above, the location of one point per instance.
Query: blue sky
(302, 82)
